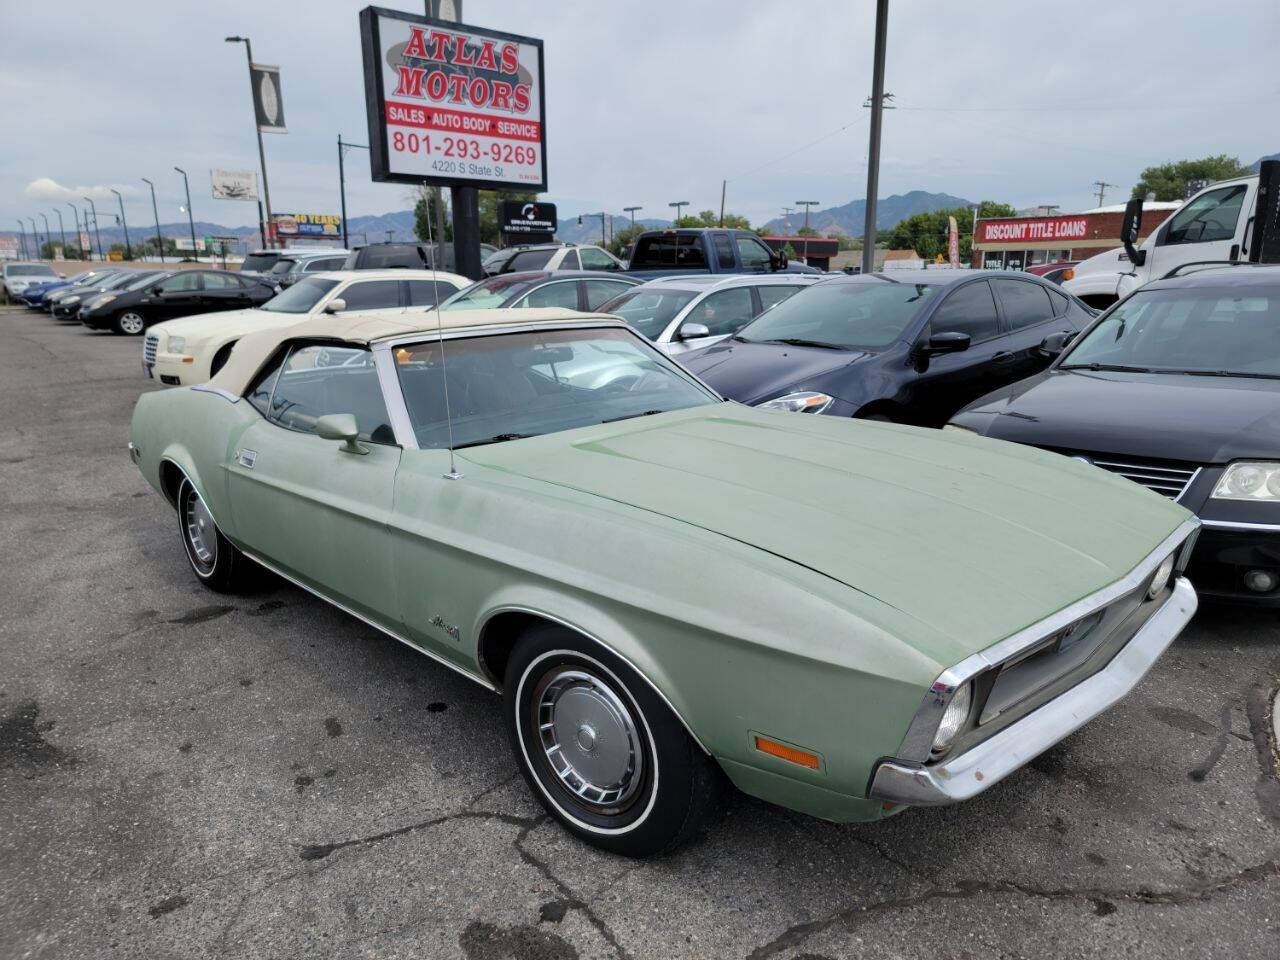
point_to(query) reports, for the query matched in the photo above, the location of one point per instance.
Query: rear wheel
(600, 749)
(214, 560)
(130, 323)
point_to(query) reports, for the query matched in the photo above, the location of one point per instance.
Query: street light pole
(632, 211)
(96, 235)
(186, 186)
(75, 213)
(806, 204)
(156, 211)
(23, 231)
(62, 232)
(47, 239)
(873, 151)
(679, 205)
(128, 250)
(262, 156)
(342, 182)
(36, 234)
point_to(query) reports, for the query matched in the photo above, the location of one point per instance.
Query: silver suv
(292, 265)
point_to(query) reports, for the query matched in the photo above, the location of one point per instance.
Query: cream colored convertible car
(192, 349)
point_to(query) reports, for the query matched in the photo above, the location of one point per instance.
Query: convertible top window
(506, 386)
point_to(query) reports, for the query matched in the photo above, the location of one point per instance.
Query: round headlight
(953, 718)
(1161, 579)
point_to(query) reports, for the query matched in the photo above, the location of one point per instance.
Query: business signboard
(453, 104)
(8, 248)
(1035, 230)
(234, 184)
(308, 225)
(527, 222)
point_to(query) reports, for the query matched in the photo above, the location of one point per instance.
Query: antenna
(453, 473)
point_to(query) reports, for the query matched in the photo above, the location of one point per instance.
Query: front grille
(149, 348)
(1165, 477)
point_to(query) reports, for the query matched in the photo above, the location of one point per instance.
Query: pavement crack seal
(852, 918)
(1219, 748)
(318, 851)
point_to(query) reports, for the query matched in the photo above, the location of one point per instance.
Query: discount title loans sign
(452, 104)
(1033, 231)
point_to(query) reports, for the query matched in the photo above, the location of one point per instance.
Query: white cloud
(46, 188)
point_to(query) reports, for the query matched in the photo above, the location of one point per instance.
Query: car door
(595, 259)
(427, 293)
(1209, 227)
(945, 383)
(223, 291)
(723, 313)
(370, 296)
(179, 295)
(553, 293)
(308, 506)
(1030, 315)
(755, 256)
(601, 291)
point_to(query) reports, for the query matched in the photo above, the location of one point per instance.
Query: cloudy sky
(650, 102)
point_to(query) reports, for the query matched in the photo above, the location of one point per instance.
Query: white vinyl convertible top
(252, 351)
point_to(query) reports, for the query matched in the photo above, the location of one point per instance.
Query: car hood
(1164, 416)
(754, 372)
(967, 539)
(225, 322)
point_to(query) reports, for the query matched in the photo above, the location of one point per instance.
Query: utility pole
(786, 219)
(1102, 189)
(806, 204)
(342, 183)
(679, 205)
(156, 211)
(723, 185)
(35, 233)
(262, 156)
(632, 211)
(186, 185)
(96, 235)
(23, 232)
(62, 232)
(873, 150)
(75, 212)
(128, 251)
(47, 239)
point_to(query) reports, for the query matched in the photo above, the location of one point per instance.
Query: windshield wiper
(801, 342)
(499, 438)
(1228, 373)
(1112, 367)
(632, 416)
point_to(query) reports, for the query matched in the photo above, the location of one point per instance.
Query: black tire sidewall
(659, 817)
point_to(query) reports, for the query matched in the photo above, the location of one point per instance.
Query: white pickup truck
(1229, 221)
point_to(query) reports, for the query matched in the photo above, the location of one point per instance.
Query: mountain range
(850, 218)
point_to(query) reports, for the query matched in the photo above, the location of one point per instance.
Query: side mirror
(336, 305)
(1055, 343)
(779, 260)
(341, 426)
(692, 331)
(1129, 231)
(946, 342)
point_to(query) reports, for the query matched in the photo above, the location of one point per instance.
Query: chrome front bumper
(968, 774)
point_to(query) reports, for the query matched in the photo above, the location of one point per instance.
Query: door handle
(1004, 356)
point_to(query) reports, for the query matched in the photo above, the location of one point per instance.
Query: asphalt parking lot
(184, 774)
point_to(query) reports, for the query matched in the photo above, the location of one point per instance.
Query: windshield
(122, 280)
(493, 292)
(258, 262)
(138, 282)
(29, 270)
(301, 297)
(509, 386)
(857, 315)
(1222, 331)
(649, 311)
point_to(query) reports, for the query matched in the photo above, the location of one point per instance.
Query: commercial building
(815, 251)
(1015, 243)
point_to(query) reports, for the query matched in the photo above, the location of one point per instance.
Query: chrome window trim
(918, 741)
(1239, 525)
(224, 394)
(393, 396)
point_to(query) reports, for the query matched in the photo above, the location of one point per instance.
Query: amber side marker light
(1068, 274)
(790, 754)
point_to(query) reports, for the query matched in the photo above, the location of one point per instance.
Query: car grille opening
(1165, 477)
(149, 348)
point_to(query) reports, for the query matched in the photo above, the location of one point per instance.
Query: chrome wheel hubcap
(131, 323)
(201, 532)
(589, 737)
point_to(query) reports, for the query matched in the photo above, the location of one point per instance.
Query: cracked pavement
(189, 775)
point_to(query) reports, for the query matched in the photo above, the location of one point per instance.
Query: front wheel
(130, 323)
(600, 749)
(214, 559)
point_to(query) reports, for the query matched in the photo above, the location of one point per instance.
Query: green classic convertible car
(845, 618)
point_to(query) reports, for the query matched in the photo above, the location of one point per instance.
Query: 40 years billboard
(453, 104)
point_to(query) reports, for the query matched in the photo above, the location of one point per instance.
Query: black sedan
(907, 346)
(574, 289)
(178, 293)
(68, 307)
(1177, 388)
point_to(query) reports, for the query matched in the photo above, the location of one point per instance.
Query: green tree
(424, 216)
(489, 200)
(1169, 180)
(623, 237)
(806, 232)
(926, 233)
(709, 218)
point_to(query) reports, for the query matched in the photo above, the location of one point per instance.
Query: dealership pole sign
(522, 222)
(452, 104)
